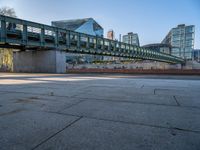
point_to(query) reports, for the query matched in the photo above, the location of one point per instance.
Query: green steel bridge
(21, 34)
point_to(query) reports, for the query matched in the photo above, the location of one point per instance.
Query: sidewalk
(99, 112)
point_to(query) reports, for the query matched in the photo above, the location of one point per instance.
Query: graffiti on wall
(6, 60)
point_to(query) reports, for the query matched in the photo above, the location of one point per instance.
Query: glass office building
(181, 39)
(196, 55)
(131, 38)
(159, 47)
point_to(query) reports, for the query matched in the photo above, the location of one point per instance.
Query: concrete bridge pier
(48, 61)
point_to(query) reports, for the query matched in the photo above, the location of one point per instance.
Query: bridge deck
(17, 33)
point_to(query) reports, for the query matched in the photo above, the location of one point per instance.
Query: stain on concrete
(24, 101)
(33, 97)
(11, 112)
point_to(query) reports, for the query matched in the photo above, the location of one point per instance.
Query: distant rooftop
(131, 33)
(182, 26)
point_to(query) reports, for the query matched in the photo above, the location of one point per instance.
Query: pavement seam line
(57, 133)
(36, 94)
(178, 104)
(143, 124)
(154, 91)
(135, 102)
(131, 123)
(120, 101)
(71, 105)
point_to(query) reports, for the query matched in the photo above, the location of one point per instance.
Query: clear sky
(151, 19)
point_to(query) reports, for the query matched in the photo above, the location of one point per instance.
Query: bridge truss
(22, 34)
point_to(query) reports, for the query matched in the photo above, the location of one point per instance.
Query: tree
(7, 11)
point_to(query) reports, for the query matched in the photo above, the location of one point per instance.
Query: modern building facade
(87, 26)
(196, 55)
(159, 47)
(111, 35)
(131, 38)
(181, 38)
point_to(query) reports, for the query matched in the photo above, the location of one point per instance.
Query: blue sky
(151, 19)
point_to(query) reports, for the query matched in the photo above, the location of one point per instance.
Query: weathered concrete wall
(6, 60)
(51, 61)
(60, 62)
(191, 65)
(45, 61)
(131, 65)
(23, 61)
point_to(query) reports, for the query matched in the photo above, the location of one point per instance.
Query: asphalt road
(99, 112)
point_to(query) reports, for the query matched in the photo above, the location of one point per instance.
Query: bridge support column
(49, 61)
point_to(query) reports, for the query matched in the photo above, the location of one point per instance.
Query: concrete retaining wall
(131, 65)
(137, 71)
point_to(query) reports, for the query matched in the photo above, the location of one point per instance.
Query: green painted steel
(19, 33)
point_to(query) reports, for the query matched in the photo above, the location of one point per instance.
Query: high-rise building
(131, 38)
(159, 47)
(196, 55)
(111, 35)
(181, 38)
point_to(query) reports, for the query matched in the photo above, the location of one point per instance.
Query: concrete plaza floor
(99, 112)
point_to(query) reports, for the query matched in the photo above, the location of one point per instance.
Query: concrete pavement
(99, 112)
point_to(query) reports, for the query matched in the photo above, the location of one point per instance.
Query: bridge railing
(27, 33)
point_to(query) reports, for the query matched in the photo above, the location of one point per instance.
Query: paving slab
(93, 111)
(189, 101)
(35, 102)
(125, 94)
(68, 91)
(152, 115)
(177, 92)
(92, 134)
(23, 130)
